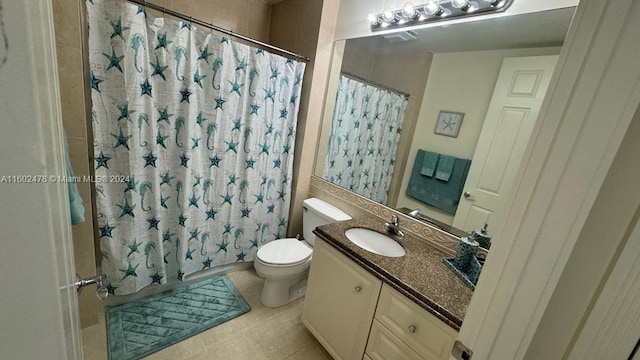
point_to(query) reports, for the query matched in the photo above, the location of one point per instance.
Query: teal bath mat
(144, 326)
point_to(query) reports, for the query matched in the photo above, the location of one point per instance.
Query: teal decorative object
(147, 325)
(467, 249)
(483, 239)
(465, 264)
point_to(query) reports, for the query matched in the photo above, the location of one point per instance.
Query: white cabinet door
(340, 302)
(512, 113)
(425, 334)
(384, 345)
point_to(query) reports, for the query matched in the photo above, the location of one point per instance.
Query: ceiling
(540, 29)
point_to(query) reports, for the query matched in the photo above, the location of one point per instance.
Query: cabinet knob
(358, 288)
(412, 328)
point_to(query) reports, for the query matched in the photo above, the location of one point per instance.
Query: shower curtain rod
(356, 77)
(164, 10)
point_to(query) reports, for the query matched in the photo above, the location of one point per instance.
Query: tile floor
(261, 334)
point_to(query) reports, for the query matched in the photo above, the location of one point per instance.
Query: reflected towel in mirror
(445, 167)
(431, 191)
(429, 163)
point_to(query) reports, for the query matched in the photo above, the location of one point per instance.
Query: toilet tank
(316, 212)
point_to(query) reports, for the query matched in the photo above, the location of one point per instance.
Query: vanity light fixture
(463, 5)
(409, 12)
(373, 19)
(433, 10)
(494, 2)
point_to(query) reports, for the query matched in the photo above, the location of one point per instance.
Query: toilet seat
(284, 253)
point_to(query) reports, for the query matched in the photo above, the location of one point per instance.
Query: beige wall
(309, 126)
(69, 43)
(405, 72)
(461, 82)
(247, 17)
(295, 26)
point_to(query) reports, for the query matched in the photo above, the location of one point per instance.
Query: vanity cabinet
(355, 316)
(340, 303)
(403, 330)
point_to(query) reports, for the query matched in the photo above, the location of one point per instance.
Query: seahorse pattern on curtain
(194, 134)
(366, 127)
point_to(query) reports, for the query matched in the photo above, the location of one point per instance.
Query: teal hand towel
(75, 201)
(429, 163)
(445, 167)
(431, 191)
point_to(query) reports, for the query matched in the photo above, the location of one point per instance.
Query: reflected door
(512, 113)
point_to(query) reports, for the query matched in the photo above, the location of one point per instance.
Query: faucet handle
(394, 219)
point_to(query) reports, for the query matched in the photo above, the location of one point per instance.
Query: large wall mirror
(434, 122)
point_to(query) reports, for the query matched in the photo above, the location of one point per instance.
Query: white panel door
(512, 113)
(38, 304)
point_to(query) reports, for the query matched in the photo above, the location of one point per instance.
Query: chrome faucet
(393, 226)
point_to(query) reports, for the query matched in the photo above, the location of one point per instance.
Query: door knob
(468, 196)
(358, 288)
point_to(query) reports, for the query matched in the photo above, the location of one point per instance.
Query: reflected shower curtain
(193, 144)
(366, 127)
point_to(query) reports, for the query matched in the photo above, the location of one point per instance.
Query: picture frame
(448, 123)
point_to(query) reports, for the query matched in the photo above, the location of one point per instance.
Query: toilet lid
(284, 252)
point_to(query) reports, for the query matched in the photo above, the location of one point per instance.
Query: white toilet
(284, 263)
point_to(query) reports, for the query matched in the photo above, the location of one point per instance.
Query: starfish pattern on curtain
(193, 142)
(365, 130)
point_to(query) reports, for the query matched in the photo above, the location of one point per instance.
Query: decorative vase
(467, 249)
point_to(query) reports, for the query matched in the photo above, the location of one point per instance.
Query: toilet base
(279, 292)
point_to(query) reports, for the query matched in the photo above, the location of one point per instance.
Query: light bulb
(433, 8)
(461, 4)
(389, 16)
(409, 12)
(373, 19)
(473, 6)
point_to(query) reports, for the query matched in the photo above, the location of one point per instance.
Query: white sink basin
(375, 242)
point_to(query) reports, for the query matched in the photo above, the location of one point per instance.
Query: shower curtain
(366, 127)
(193, 145)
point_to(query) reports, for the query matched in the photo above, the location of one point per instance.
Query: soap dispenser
(483, 239)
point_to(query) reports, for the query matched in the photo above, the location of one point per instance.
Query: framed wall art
(448, 123)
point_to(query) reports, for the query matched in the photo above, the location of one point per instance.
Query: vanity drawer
(424, 333)
(383, 345)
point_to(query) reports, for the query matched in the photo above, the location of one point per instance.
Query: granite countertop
(420, 275)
